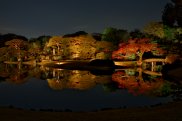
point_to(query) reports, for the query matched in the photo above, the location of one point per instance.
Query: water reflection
(137, 82)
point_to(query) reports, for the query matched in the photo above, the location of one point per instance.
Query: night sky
(33, 18)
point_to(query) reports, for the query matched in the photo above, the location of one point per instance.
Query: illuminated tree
(170, 33)
(155, 29)
(34, 49)
(55, 41)
(18, 45)
(80, 47)
(104, 49)
(7, 37)
(3, 53)
(136, 47)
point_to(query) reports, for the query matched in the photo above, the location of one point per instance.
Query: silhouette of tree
(137, 34)
(97, 36)
(43, 40)
(75, 34)
(172, 13)
(10, 36)
(168, 16)
(178, 6)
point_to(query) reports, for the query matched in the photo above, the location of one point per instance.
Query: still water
(80, 90)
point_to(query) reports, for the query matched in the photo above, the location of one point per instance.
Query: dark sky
(33, 18)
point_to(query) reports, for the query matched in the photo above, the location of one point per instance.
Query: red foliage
(135, 46)
(136, 86)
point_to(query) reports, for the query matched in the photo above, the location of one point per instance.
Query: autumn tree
(18, 45)
(136, 47)
(144, 85)
(55, 42)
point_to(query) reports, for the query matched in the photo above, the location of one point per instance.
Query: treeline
(82, 45)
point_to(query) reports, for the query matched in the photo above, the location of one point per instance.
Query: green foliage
(130, 72)
(43, 40)
(170, 33)
(131, 56)
(154, 29)
(115, 35)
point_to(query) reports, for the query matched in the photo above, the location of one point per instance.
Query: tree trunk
(54, 51)
(139, 63)
(19, 56)
(153, 66)
(58, 49)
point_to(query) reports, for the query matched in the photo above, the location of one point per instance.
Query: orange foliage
(134, 85)
(135, 46)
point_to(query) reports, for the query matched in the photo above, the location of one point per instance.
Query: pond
(43, 88)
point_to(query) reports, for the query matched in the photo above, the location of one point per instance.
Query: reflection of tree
(56, 84)
(143, 84)
(34, 72)
(75, 79)
(17, 74)
(3, 70)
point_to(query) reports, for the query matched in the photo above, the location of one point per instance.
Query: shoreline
(165, 112)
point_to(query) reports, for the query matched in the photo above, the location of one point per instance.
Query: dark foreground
(167, 112)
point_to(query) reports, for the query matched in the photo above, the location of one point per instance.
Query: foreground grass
(167, 112)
